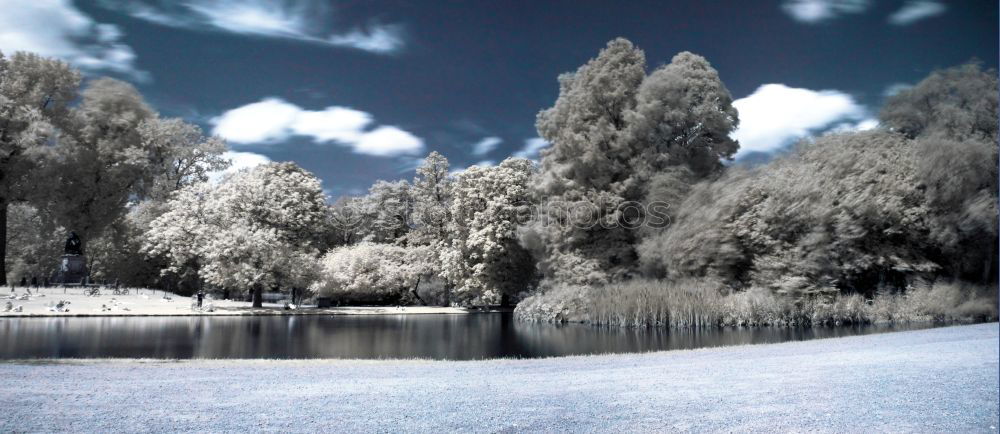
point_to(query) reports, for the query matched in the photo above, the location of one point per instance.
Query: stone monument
(73, 268)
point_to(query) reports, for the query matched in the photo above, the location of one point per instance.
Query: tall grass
(652, 303)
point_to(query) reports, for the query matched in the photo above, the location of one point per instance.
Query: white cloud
(239, 161)
(332, 124)
(266, 121)
(388, 141)
(775, 115)
(815, 11)
(916, 10)
(274, 120)
(305, 21)
(56, 28)
(486, 145)
(531, 148)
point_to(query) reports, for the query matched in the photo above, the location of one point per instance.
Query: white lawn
(148, 302)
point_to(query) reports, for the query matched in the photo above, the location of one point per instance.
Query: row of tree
(847, 212)
(270, 227)
(99, 161)
(858, 211)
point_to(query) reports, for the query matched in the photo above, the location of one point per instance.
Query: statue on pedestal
(73, 268)
(73, 244)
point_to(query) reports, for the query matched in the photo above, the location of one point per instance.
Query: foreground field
(936, 380)
(148, 302)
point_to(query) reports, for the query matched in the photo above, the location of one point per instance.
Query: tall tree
(179, 155)
(179, 234)
(583, 173)
(432, 198)
(614, 133)
(99, 159)
(35, 93)
(483, 260)
(389, 209)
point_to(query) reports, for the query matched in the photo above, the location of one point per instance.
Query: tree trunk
(258, 296)
(3, 241)
(416, 295)
(988, 265)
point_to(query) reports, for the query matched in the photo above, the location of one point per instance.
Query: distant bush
(562, 303)
(705, 303)
(368, 273)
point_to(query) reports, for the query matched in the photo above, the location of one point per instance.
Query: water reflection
(457, 337)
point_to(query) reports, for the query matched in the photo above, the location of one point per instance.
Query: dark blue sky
(452, 73)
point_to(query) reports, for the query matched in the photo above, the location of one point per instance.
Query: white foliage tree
(431, 194)
(483, 260)
(259, 228)
(371, 273)
(388, 209)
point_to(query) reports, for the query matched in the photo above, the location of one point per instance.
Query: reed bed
(686, 304)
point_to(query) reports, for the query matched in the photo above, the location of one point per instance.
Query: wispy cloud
(273, 120)
(306, 20)
(486, 145)
(383, 38)
(816, 11)
(916, 10)
(776, 115)
(531, 149)
(56, 28)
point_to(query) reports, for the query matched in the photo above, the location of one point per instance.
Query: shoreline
(277, 311)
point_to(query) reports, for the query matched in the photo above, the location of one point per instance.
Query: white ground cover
(148, 302)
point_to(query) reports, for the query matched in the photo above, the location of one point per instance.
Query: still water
(456, 337)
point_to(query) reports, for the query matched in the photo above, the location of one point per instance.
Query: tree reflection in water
(456, 337)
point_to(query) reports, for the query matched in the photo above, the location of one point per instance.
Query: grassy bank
(42, 302)
(653, 303)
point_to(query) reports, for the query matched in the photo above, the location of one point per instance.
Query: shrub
(367, 273)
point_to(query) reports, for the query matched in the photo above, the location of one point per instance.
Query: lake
(454, 337)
